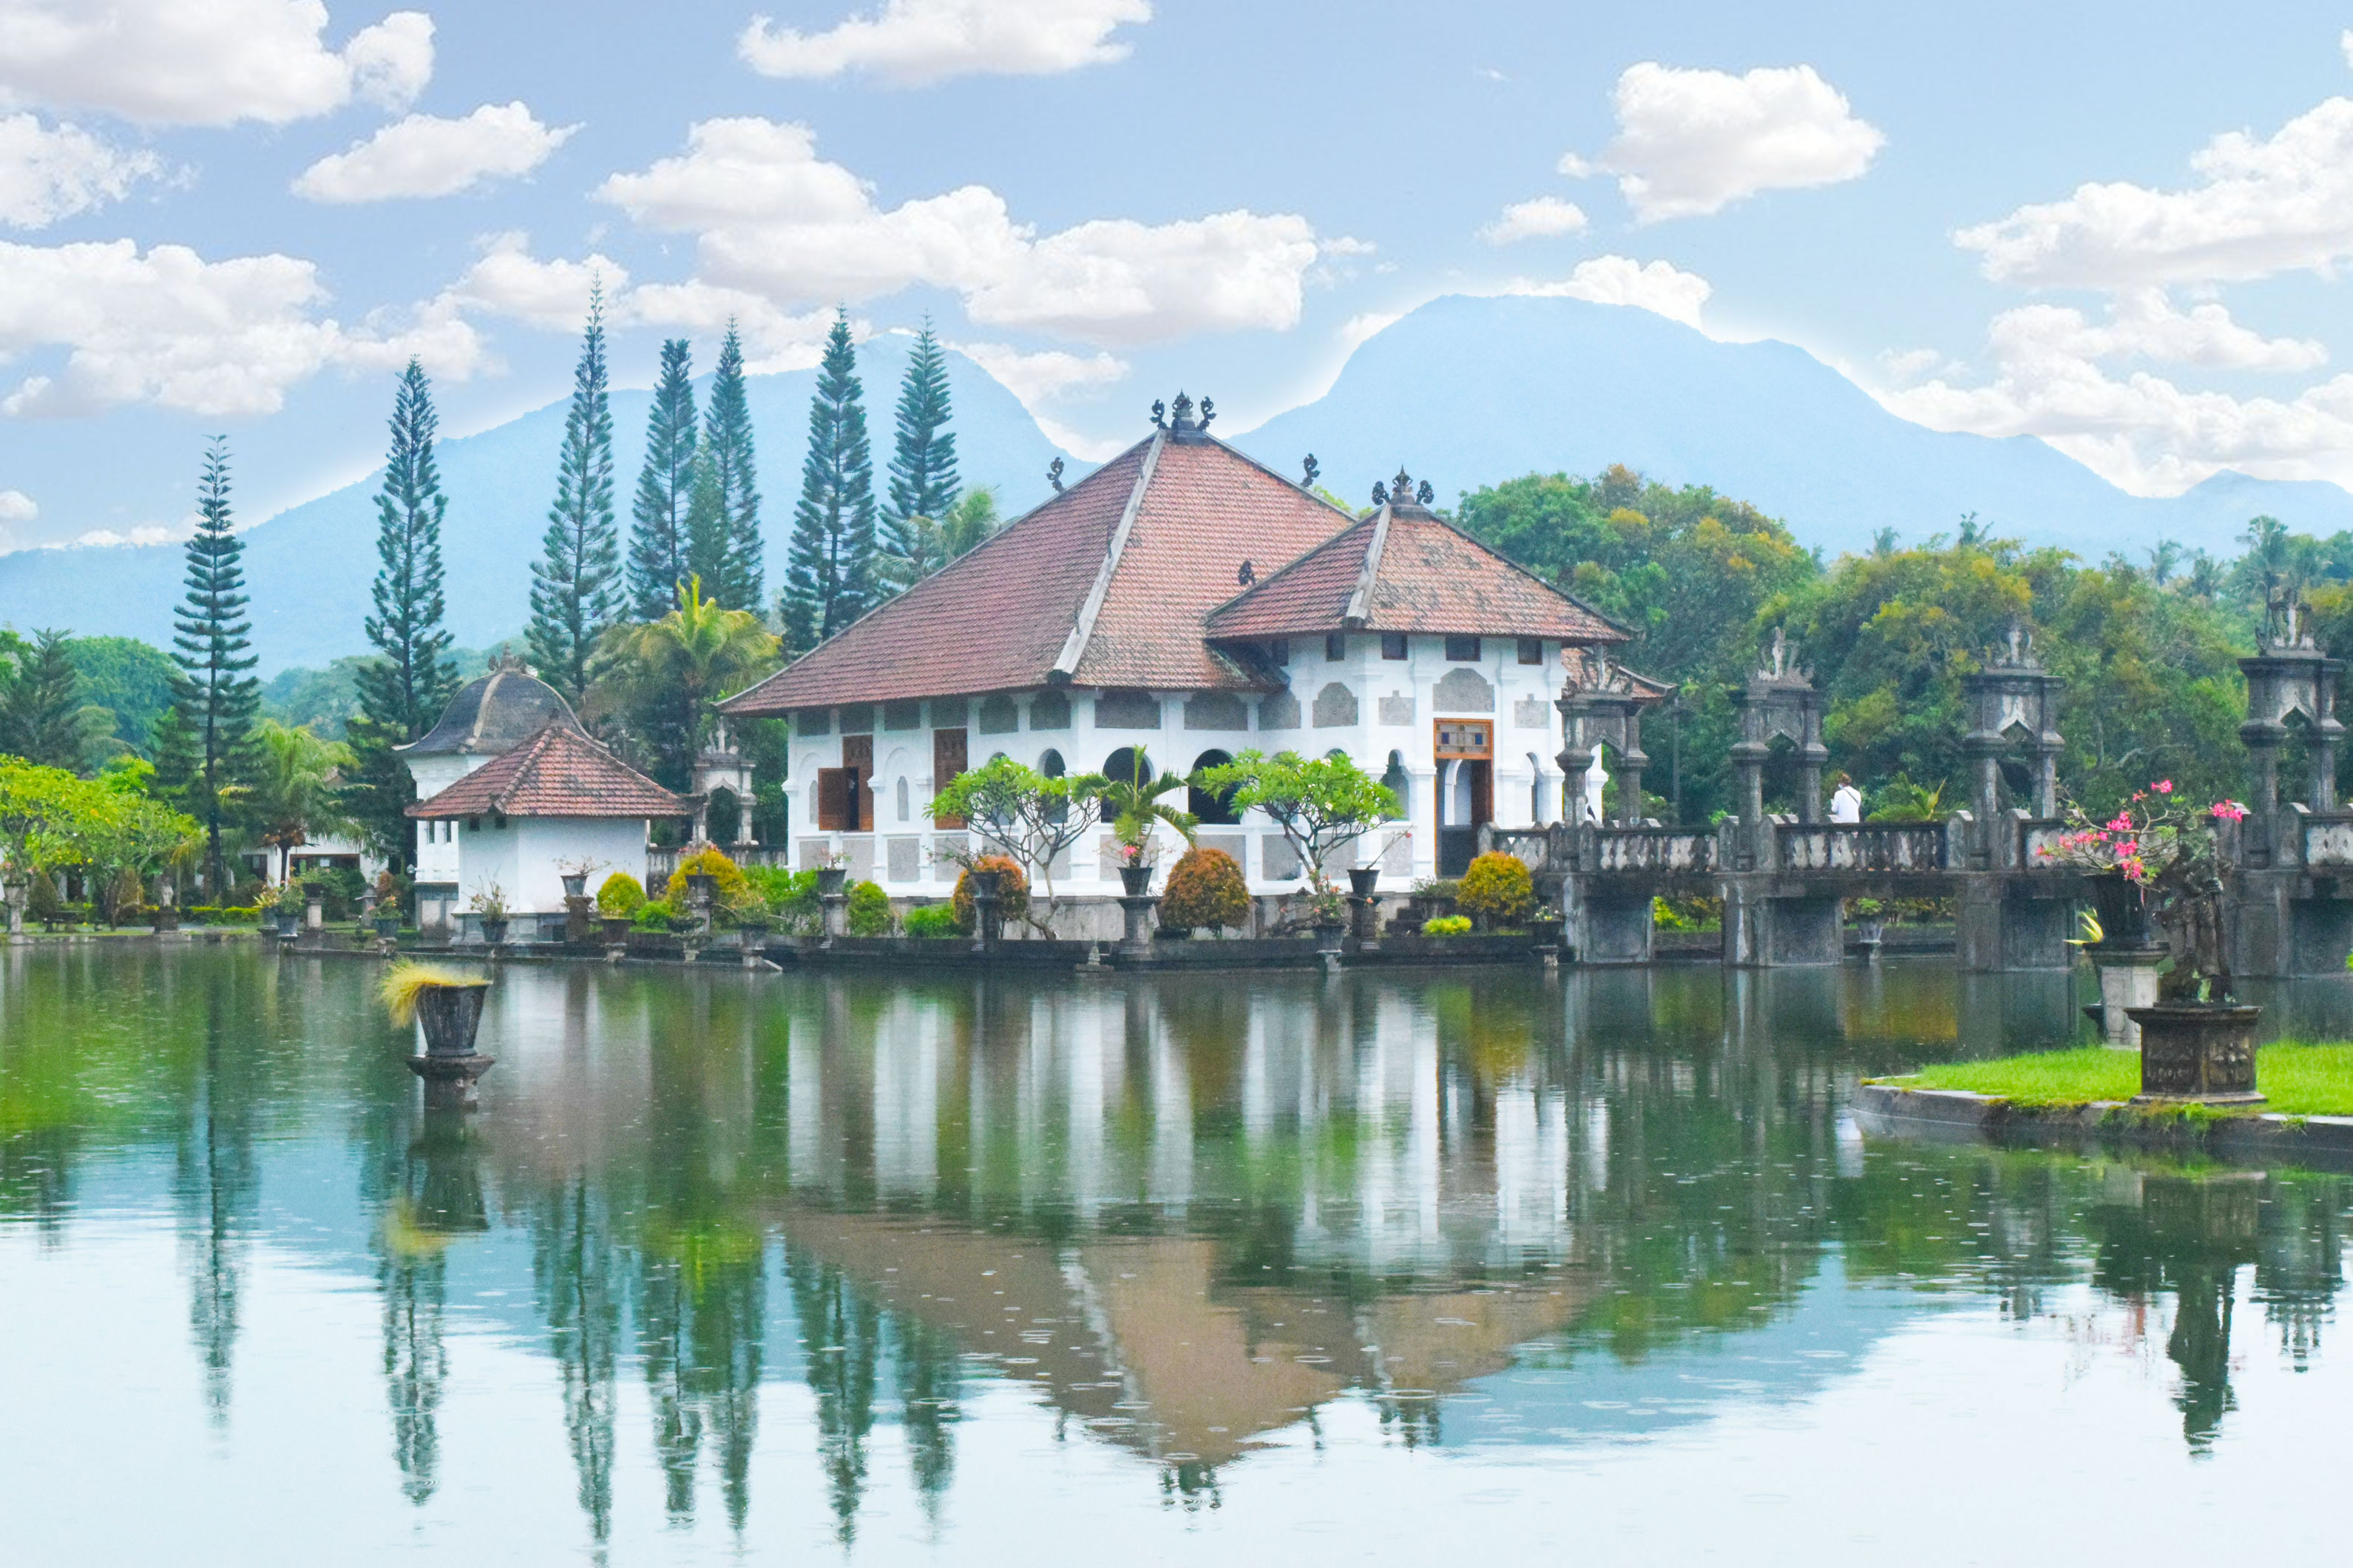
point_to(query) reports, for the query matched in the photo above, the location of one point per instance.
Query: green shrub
(342, 887)
(932, 921)
(870, 910)
(1447, 925)
(1497, 890)
(621, 897)
(654, 915)
(791, 896)
(732, 892)
(1012, 890)
(1205, 889)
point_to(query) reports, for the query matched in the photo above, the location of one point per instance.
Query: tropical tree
(1320, 803)
(573, 595)
(828, 577)
(296, 793)
(1033, 817)
(205, 748)
(42, 716)
(1135, 803)
(922, 546)
(658, 537)
(664, 676)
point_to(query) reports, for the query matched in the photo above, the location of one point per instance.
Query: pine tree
(403, 691)
(206, 751)
(831, 574)
(572, 591)
(657, 536)
(723, 514)
(923, 464)
(41, 708)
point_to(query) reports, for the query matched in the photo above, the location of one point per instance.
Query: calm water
(1242, 1269)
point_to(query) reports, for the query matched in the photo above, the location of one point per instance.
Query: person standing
(1846, 801)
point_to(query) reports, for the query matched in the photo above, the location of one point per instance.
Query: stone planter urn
(314, 909)
(575, 885)
(2128, 977)
(988, 917)
(494, 929)
(615, 929)
(1136, 880)
(2197, 1051)
(1547, 929)
(388, 921)
(286, 917)
(2121, 905)
(1364, 908)
(1327, 939)
(450, 1016)
(833, 893)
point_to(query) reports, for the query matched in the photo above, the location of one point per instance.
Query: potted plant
(489, 905)
(2197, 1041)
(283, 904)
(1546, 925)
(1327, 913)
(1135, 863)
(449, 1004)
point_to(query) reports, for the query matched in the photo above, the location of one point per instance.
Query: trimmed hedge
(621, 897)
(1497, 888)
(1012, 890)
(932, 921)
(1205, 889)
(870, 910)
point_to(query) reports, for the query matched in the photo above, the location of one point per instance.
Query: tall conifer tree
(41, 717)
(205, 750)
(723, 529)
(923, 479)
(573, 595)
(657, 536)
(403, 690)
(829, 575)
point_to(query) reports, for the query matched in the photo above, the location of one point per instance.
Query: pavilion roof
(559, 771)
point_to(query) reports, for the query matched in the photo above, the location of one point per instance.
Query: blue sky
(2117, 228)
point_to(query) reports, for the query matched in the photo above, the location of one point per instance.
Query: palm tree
(932, 544)
(1131, 800)
(298, 795)
(667, 673)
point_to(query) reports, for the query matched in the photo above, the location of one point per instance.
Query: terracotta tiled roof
(559, 771)
(1161, 530)
(1403, 569)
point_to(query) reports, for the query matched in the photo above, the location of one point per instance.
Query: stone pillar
(833, 892)
(15, 892)
(2127, 979)
(1630, 763)
(988, 917)
(1365, 908)
(1135, 921)
(314, 910)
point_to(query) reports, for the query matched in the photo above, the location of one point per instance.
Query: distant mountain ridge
(1462, 392)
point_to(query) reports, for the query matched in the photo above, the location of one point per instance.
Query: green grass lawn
(2296, 1078)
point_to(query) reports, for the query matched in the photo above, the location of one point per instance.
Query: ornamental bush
(1497, 890)
(791, 896)
(620, 898)
(1012, 890)
(932, 921)
(1205, 889)
(733, 891)
(654, 915)
(1447, 925)
(870, 910)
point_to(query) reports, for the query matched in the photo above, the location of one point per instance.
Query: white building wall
(1395, 704)
(524, 855)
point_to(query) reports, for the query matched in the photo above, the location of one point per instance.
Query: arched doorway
(1213, 807)
(1128, 765)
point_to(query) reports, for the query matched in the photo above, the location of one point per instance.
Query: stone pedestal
(451, 1015)
(314, 910)
(2201, 1053)
(833, 898)
(2127, 980)
(15, 893)
(1364, 909)
(988, 908)
(579, 920)
(1135, 922)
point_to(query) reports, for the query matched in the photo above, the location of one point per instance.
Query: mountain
(1466, 392)
(310, 568)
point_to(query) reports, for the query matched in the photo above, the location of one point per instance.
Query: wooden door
(857, 762)
(947, 760)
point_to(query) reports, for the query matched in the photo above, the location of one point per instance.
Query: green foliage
(1447, 925)
(829, 578)
(1012, 890)
(1320, 803)
(294, 798)
(620, 897)
(125, 677)
(922, 545)
(932, 921)
(1012, 805)
(791, 896)
(204, 750)
(655, 915)
(1136, 805)
(1497, 888)
(1205, 889)
(657, 547)
(723, 518)
(662, 678)
(42, 716)
(869, 913)
(1903, 800)
(107, 828)
(732, 890)
(572, 588)
(923, 480)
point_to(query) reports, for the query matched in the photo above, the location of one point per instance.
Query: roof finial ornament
(1423, 494)
(1159, 415)
(1180, 415)
(1314, 469)
(1401, 487)
(1381, 493)
(1247, 575)
(1054, 475)
(1209, 412)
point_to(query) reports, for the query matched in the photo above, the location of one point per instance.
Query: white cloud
(1539, 217)
(145, 533)
(1035, 378)
(773, 218)
(1659, 287)
(2141, 430)
(15, 506)
(2345, 42)
(1690, 142)
(426, 155)
(1902, 367)
(915, 42)
(2260, 207)
(1346, 244)
(167, 327)
(205, 62)
(47, 174)
(507, 281)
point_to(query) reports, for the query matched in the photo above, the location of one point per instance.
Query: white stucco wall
(524, 857)
(1526, 779)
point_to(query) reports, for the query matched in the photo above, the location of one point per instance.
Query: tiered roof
(494, 712)
(559, 771)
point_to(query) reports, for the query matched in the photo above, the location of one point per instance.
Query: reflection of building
(511, 794)
(1186, 600)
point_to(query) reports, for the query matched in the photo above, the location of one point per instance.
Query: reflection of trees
(841, 1334)
(578, 1271)
(435, 1199)
(215, 1179)
(929, 1393)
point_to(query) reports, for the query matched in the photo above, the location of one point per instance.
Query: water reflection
(1193, 1218)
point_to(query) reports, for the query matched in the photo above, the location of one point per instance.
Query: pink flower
(2165, 786)
(2227, 810)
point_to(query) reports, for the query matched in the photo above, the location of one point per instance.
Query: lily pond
(1217, 1270)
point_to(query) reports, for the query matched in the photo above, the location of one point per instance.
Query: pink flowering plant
(2169, 850)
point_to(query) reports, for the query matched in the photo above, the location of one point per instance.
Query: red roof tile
(1021, 611)
(557, 772)
(1428, 576)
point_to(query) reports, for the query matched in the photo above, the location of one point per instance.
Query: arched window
(1051, 766)
(1400, 785)
(1536, 787)
(902, 788)
(1125, 766)
(1209, 805)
